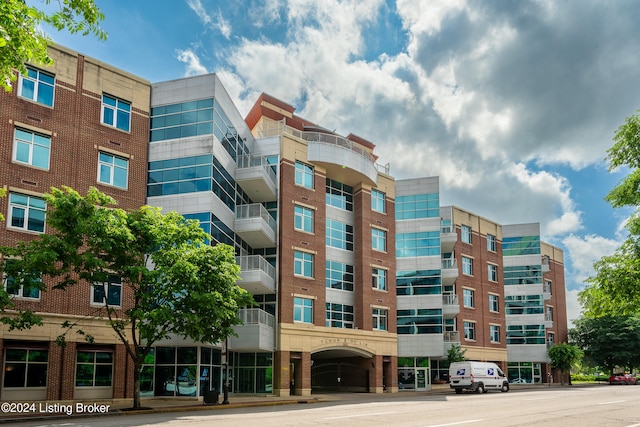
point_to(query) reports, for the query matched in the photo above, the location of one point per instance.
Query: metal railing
(255, 210)
(256, 262)
(256, 316)
(449, 263)
(253, 160)
(451, 336)
(450, 299)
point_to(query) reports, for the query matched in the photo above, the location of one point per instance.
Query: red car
(622, 378)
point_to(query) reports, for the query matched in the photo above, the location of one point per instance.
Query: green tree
(456, 354)
(609, 341)
(22, 40)
(563, 356)
(190, 292)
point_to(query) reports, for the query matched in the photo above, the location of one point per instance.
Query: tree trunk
(137, 373)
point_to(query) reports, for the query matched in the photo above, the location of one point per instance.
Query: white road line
(613, 401)
(455, 424)
(360, 415)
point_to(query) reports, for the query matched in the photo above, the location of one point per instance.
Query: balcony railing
(451, 336)
(449, 263)
(450, 299)
(256, 316)
(255, 210)
(256, 262)
(253, 160)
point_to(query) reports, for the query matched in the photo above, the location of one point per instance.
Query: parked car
(622, 378)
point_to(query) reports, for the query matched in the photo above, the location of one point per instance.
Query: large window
(424, 243)
(108, 292)
(339, 195)
(418, 282)
(491, 242)
(525, 245)
(37, 86)
(419, 321)
(25, 288)
(378, 240)
(467, 266)
(339, 276)
(339, 235)
(525, 334)
(32, 148)
(303, 219)
(25, 368)
(303, 310)
(113, 170)
(303, 264)
(494, 333)
(379, 278)
(470, 330)
(116, 112)
(304, 175)
(378, 201)
(465, 233)
(524, 304)
(418, 206)
(339, 315)
(27, 212)
(379, 319)
(94, 368)
(492, 272)
(468, 298)
(523, 275)
(494, 304)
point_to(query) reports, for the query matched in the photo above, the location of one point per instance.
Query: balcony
(548, 321)
(546, 291)
(257, 178)
(256, 275)
(257, 333)
(255, 226)
(450, 338)
(450, 306)
(448, 238)
(449, 271)
(545, 264)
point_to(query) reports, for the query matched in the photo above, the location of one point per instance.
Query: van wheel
(505, 387)
(458, 391)
(480, 388)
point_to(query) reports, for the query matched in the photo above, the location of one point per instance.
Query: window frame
(465, 234)
(468, 298)
(467, 266)
(116, 112)
(379, 278)
(378, 238)
(492, 272)
(339, 315)
(111, 168)
(494, 303)
(491, 243)
(106, 292)
(339, 235)
(9, 282)
(494, 333)
(303, 310)
(304, 174)
(380, 317)
(345, 271)
(302, 260)
(38, 85)
(304, 217)
(27, 210)
(33, 149)
(26, 361)
(95, 364)
(469, 330)
(378, 201)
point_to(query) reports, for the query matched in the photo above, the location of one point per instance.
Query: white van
(477, 376)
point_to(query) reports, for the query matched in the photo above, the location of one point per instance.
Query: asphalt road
(564, 406)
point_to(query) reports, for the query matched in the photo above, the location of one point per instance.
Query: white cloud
(199, 9)
(220, 23)
(574, 309)
(194, 66)
(584, 251)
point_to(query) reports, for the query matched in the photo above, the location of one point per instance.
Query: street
(600, 405)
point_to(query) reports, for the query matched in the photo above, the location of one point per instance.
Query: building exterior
(362, 283)
(79, 123)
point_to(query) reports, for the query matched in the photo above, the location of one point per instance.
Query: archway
(341, 370)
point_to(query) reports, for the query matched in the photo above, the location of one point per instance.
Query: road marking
(613, 401)
(634, 425)
(455, 424)
(360, 415)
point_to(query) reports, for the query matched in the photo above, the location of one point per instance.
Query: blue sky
(512, 103)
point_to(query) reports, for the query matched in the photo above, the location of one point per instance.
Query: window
(465, 233)
(25, 288)
(491, 242)
(378, 240)
(302, 264)
(492, 272)
(379, 279)
(303, 310)
(420, 321)
(303, 219)
(339, 316)
(494, 305)
(27, 212)
(467, 266)
(551, 338)
(31, 148)
(494, 333)
(339, 276)
(339, 195)
(108, 292)
(25, 368)
(470, 330)
(339, 235)
(526, 245)
(37, 86)
(379, 319)
(525, 334)
(467, 298)
(378, 201)
(94, 368)
(304, 175)
(549, 314)
(419, 282)
(112, 170)
(418, 206)
(523, 304)
(422, 243)
(547, 286)
(116, 112)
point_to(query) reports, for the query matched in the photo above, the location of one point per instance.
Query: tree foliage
(456, 354)
(563, 356)
(22, 40)
(174, 282)
(609, 341)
